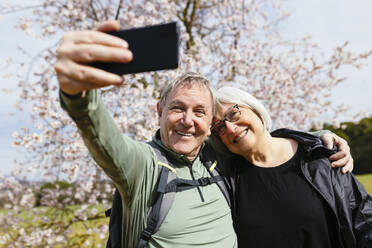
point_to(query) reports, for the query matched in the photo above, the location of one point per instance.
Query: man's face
(185, 119)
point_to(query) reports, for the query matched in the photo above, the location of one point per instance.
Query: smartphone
(154, 48)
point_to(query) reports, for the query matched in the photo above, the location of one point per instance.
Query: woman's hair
(242, 98)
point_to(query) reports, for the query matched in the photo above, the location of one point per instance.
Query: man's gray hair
(187, 79)
(242, 98)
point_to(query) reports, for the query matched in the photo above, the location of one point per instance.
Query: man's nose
(188, 118)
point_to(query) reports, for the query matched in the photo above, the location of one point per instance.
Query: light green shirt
(133, 167)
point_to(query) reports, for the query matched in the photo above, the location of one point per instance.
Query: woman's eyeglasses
(232, 115)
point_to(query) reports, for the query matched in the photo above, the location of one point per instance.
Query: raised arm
(127, 162)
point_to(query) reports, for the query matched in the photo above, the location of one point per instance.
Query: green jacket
(133, 167)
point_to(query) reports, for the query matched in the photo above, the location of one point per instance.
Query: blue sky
(330, 22)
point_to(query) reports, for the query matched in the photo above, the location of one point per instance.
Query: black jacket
(349, 201)
(351, 204)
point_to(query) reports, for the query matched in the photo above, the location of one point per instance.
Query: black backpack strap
(221, 184)
(169, 197)
(166, 204)
(163, 200)
(208, 158)
(179, 184)
(158, 212)
(115, 225)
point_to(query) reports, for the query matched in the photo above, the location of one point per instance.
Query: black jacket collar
(312, 145)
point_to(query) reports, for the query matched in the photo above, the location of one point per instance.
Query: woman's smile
(240, 135)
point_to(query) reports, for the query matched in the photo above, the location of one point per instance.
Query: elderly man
(199, 216)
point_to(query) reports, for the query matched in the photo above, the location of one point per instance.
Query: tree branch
(93, 10)
(189, 21)
(14, 10)
(118, 10)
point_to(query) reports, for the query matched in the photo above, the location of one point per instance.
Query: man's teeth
(240, 136)
(184, 134)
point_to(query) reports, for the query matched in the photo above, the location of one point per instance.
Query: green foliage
(366, 180)
(359, 137)
(86, 232)
(49, 185)
(59, 184)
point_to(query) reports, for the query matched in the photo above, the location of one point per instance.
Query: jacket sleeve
(319, 133)
(128, 163)
(360, 204)
(362, 215)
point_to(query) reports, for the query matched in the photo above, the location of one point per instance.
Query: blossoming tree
(232, 42)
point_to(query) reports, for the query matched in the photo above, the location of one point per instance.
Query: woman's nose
(230, 127)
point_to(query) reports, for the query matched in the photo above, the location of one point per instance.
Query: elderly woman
(286, 193)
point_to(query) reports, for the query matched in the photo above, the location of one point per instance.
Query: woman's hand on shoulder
(342, 158)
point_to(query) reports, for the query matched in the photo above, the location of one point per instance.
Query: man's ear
(158, 109)
(210, 126)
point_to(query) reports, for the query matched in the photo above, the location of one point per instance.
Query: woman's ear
(259, 116)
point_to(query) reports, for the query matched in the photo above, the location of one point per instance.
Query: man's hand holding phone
(80, 48)
(95, 59)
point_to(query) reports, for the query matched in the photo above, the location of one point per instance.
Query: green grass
(78, 229)
(366, 180)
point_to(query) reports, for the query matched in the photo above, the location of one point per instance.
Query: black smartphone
(153, 47)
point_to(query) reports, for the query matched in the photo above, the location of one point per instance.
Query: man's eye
(200, 111)
(177, 108)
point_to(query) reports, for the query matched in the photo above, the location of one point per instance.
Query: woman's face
(238, 127)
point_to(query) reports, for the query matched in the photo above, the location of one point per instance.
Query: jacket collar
(312, 145)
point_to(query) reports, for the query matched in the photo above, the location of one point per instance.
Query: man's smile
(184, 133)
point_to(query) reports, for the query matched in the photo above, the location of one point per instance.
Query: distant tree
(359, 137)
(59, 185)
(232, 42)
